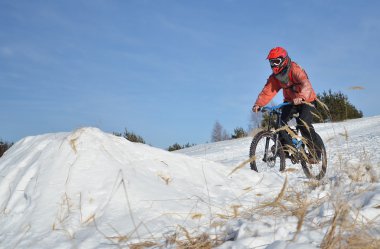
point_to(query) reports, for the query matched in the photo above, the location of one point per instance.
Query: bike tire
(256, 153)
(316, 171)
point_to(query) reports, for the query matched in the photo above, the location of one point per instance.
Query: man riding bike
(290, 77)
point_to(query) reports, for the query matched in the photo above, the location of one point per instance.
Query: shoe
(287, 155)
(289, 151)
(286, 152)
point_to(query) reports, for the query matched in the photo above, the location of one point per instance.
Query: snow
(91, 189)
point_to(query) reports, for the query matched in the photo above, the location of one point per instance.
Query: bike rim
(265, 162)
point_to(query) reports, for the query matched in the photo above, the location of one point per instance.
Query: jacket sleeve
(270, 89)
(305, 90)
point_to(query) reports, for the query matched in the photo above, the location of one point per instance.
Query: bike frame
(313, 167)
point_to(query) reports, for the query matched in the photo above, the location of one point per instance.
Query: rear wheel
(314, 168)
(265, 153)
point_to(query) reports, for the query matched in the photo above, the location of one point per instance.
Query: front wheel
(315, 170)
(266, 153)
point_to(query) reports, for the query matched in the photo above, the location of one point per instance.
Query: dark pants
(304, 122)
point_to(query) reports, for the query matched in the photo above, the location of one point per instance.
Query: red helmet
(278, 59)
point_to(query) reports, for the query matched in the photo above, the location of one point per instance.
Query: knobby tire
(319, 171)
(257, 160)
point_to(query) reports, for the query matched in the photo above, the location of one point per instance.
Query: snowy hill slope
(341, 139)
(90, 189)
(351, 182)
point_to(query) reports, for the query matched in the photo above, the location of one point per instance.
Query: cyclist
(290, 77)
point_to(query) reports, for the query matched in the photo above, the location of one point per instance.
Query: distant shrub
(130, 136)
(4, 146)
(177, 146)
(174, 147)
(239, 132)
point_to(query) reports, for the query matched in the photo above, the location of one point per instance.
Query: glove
(297, 101)
(255, 108)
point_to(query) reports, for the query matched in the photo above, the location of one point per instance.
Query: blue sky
(168, 69)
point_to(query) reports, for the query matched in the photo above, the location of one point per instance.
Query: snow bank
(91, 189)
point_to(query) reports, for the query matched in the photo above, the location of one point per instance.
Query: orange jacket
(298, 86)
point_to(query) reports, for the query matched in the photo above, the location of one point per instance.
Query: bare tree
(255, 121)
(218, 133)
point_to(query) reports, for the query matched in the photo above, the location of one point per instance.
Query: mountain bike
(266, 151)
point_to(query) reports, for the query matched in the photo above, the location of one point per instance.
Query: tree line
(331, 106)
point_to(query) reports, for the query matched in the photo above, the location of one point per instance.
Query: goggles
(276, 62)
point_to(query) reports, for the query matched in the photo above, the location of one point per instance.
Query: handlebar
(274, 108)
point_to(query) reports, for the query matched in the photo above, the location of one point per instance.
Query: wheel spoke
(267, 159)
(315, 168)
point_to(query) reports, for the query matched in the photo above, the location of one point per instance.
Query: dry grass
(299, 210)
(325, 110)
(167, 179)
(331, 238)
(202, 241)
(277, 201)
(344, 134)
(196, 216)
(362, 172)
(346, 231)
(73, 144)
(270, 208)
(73, 141)
(242, 165)
(142, 245)
(362, 240)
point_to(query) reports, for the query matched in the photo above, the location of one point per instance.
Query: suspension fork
(276, 137)
(277, 134)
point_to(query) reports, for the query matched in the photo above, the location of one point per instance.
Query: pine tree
(177, 146)
(174, 147)
(335, 107)
(130, 136)
(239, 132)
(4, 146)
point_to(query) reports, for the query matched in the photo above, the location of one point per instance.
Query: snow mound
(89, 189)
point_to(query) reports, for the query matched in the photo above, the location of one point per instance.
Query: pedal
(294, 159)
